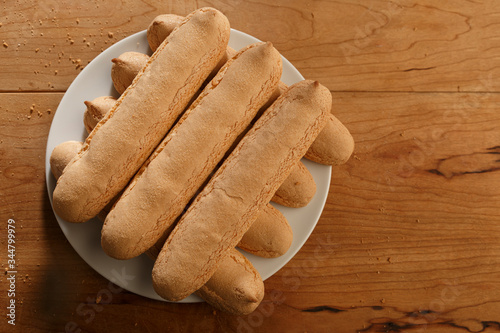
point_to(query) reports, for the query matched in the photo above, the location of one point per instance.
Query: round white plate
(134, 275)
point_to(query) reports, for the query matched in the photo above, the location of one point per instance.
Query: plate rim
(321, 192)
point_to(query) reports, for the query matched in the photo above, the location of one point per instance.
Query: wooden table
(409, 240)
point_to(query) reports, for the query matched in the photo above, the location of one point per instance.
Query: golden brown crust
(125, 68)
(160, 28)
(334, 145)
(327, 148)
(231, 201)
(96, 110)
(270, 236)
(236, 287)
(123, 140)
(61, 155)
(298, 189)
(173, 174)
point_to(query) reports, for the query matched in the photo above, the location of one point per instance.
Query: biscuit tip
(316, 84)
(115, 60)
(87, 103)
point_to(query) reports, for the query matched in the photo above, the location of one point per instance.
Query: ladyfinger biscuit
(236, 287)
(123, 140)
(124, 67)
(333, 146)
(296, 191)
(160, 28)
(62, 155)
(96, 110)
(269, 236)
(163, 187)
(230, 202)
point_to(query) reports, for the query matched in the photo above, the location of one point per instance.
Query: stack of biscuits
(184, 164)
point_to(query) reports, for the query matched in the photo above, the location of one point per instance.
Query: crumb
(37, 49)
(1, 24)
(39, 114)
(88, 44)
(110, 34)
(5, 45)
(29, 117)
(417, 220)
(98, 299)
(77, 21)
(382, 301)
(356, 157)
(378, 272)
(389, 260)
(41, 34)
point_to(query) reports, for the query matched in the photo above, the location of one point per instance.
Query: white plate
(134, 275)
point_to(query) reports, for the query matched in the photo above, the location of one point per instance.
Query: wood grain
(358, 45)
(409, 238)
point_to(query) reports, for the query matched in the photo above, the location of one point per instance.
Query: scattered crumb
(41, 34)
(378, 272)
(49, 111)
(37, 49)
(382, 301)
(5, 45)
(88, 44)
(77, 21)
(417, 220)
(110, 34)
(1, 24)
(98, 299)
(389, 260)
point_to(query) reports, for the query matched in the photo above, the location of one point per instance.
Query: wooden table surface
(409, 240)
